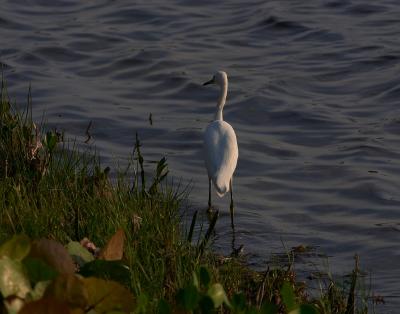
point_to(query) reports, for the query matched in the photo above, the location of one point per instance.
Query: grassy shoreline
(51, 190)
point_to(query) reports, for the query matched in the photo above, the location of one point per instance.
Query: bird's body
(220, 146)
(221, 153)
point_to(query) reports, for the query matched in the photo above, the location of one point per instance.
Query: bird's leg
(233, 237)
(209, 195)
(231, 207)
(232, 224)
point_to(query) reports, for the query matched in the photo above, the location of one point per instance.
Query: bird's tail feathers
(221, 187)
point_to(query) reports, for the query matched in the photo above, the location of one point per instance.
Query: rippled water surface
(314, 96)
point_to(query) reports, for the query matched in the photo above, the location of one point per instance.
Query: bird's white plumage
(220, 144)
(221, 154)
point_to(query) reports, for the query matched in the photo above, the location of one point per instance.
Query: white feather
(221, 154)
(220, 144)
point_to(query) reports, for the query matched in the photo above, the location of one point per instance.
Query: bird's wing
(221, 154)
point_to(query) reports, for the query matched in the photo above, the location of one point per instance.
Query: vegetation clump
(75, 241)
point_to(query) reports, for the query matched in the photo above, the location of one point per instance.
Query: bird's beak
(209, 82)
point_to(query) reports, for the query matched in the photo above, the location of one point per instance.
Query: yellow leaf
(13, 279)
(69, 289)
(114, 249)
(45, 306)
(16, 248)
(105, 296)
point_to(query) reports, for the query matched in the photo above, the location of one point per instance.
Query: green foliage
(56, 194)
(114, 270)
(160, 175)
(79, 254)
(35, 285)
(26, 273)
(50, 141)
(17, 247)
(38, 270)
(203, 295)
(291, 305)
(163, 307)
(204, 275)
(188, 298)
(13, 278)
(288, 297)
(269, 308)
(24, 152)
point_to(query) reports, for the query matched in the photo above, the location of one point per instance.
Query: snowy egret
(220, 146)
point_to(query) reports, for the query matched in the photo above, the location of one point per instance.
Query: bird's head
(220, 78)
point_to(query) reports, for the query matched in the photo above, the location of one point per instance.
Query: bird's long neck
(221, 101)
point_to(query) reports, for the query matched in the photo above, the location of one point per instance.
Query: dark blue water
(314, 98)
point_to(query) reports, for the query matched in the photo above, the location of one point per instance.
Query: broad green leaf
(105, 296)
(288, 297)
(38, 291)
(50, 141)
(79, 254)
(13, 279)
(70, 289)
(16, 248)
(308, 309)
(206, 304)
(196, 280)
(188, 298)
(269, 308)
(45, 306)
(114, 249)
(238, 302)
(163, 307)
(142, 301)
(218, 295)
(204, 276)
(53, 254)
(110, 270)
(38, 270)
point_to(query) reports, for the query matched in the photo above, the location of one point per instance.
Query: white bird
(220, 146)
